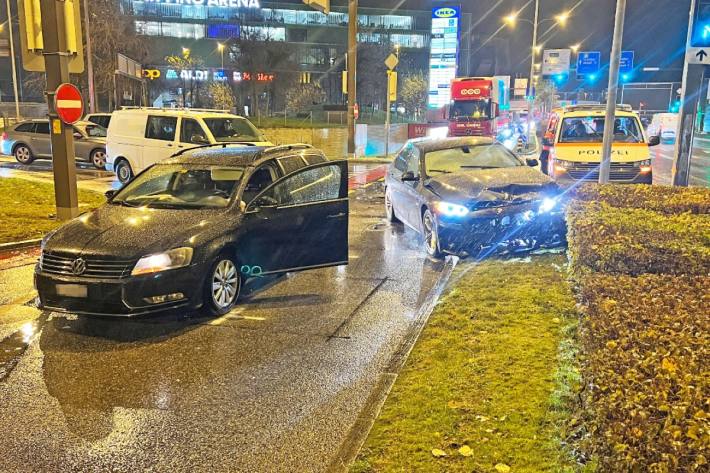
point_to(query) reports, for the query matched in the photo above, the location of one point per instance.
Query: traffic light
(560, 78)
(701, 24)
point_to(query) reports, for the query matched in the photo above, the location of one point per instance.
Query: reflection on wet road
(276, 385)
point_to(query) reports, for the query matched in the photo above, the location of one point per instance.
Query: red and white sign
(467, 89)
(68, 103)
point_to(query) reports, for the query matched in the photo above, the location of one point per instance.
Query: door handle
(170, 145)
(340, 215)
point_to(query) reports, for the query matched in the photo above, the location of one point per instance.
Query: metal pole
(352, 67)
(387, 116)
(680, 172)
(610, 119)
(14, 65)
(56, 63)
(531, 98)
(89, 60)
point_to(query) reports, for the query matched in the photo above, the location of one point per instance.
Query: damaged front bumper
(532, 224)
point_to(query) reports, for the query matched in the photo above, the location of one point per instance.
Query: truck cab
(474, 107)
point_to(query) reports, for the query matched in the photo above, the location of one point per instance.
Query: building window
(222, 31)
(175, 30)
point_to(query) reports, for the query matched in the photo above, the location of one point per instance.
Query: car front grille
(590, 171)
(104, 268)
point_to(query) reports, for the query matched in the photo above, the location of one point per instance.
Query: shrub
(646, 345)
(635, 241)
(663, 199)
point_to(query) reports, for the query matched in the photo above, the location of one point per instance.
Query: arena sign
(211, 3)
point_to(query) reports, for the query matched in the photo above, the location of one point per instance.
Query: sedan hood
(129, 233)
(503, 184)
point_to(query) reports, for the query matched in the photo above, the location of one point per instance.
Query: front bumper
(502, 226)
(620, 173)
(122, 297)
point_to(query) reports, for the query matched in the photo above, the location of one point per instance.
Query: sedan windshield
(470, 157)
(233, 129)
(181, 186)
(591, 130)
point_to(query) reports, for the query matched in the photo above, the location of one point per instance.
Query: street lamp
(511, 19)
(185, 52)
(575, 47)
(220, 46)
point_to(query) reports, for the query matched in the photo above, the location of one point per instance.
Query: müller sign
(211, 3)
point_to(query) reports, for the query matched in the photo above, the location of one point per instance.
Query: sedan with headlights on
(189, 231)
(467, 194)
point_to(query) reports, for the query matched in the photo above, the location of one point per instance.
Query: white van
(139, 137)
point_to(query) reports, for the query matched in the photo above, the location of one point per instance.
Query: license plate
(72, 290)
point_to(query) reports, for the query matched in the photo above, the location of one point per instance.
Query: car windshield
(181, 186)
(471, 109)
(233, 129)
(95, 131)
(470, 157)
(591, 130)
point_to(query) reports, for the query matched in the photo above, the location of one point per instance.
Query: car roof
(171, 112)
(232, 154)
(427, 145)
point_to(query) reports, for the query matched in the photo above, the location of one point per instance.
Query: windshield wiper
(478, 167)
(124, 203)
(439, 170)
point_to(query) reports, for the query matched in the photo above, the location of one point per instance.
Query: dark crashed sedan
(189, 231)
(468, 194)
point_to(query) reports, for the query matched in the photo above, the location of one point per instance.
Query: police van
(572, 145)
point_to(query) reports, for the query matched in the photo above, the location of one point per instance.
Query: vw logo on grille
(78, 266)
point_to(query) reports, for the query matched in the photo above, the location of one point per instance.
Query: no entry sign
(68, 103)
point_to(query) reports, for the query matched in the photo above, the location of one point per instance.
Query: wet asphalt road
(276, 385)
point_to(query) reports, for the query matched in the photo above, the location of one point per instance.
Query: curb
(18, 245)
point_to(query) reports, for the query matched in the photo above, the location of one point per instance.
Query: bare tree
(221, 95)
(304, 96)
(414, 93)
(184, 65)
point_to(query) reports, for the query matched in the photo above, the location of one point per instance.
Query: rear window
(42, 127)
(25, 127)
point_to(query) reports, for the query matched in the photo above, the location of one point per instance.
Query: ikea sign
(211, 3)
(445, 12)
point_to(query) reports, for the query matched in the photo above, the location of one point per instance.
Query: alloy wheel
(23, 154)
(225, 284)
(98, 158)
(431, 237)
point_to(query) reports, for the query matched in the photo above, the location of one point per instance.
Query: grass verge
(25, 207)
(488, 385)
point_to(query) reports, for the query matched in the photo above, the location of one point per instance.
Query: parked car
(140, 137)
(467, 194)
(29, 140)
(189, 231)
(102, 119)
(664, 126)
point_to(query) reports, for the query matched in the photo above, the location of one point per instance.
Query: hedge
(640, 256)
(663, 199)
(635, 241)
(646, 345)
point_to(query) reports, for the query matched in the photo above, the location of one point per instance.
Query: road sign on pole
(32, 35)
(588, 62)
(698, 56)
(626, 64)
(391, 61)
(68, 103)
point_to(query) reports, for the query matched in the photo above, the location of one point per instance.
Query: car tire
(222, 285)
(23, 154)
(431, 234)
(389, 208)
(98, 158)
(123, 171)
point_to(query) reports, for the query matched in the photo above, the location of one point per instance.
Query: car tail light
(3, 137)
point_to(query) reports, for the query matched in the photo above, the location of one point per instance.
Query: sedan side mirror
(77, 135)
(654, 140)
(532, 162)
(409, 176)
(110, 193)
(199, 140)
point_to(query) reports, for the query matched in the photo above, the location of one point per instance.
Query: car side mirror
(654, 140)
(110, 193)
(199, 140)
(532, 162)
(77, 135)
(409, 176)
(265, 201)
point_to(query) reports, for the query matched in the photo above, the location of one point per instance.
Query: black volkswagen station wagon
(190, 230)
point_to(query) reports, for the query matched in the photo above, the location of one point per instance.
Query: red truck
(475, 106)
